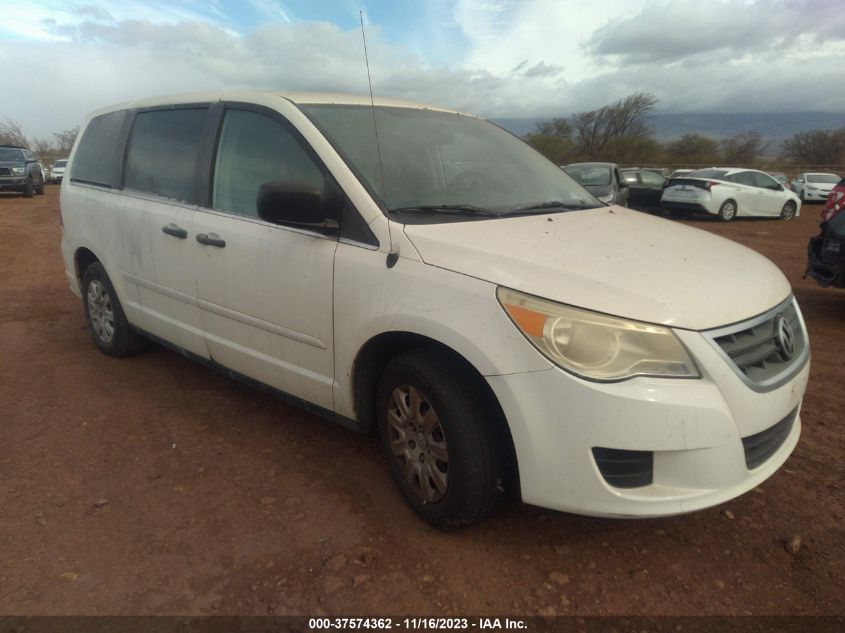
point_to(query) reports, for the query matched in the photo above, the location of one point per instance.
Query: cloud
(528, 58)
(94, 12)
(674, 31)
(98, 63)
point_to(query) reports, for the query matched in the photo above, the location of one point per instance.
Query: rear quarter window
(97, 160)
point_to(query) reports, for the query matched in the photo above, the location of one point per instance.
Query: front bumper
(811, 195)
(12, 183)
(693, 429)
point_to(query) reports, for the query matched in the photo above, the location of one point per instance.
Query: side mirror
(294, 204)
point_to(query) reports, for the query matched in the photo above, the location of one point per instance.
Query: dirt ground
(152, 485)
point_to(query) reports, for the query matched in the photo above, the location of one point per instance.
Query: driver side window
(254, 149)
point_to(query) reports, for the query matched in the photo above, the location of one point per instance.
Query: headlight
(596, 346)
(18, 171)
(813, 187)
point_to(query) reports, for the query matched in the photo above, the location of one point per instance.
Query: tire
(29, 189)
(451, 419)
(105, 317)
(788, 211)
(727, 211)
(40, 189)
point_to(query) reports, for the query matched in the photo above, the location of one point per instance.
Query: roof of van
(299, 98)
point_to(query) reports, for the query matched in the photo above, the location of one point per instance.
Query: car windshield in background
(590, 175)
(823, 178)
(779, 177)
(445, 165)
(10, 154)
(60, 163)
(707, 173)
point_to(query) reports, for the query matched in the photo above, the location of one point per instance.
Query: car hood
(611, 260)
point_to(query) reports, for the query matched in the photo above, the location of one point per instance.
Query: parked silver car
(603, 180)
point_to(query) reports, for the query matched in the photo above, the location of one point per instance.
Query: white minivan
(426, 273)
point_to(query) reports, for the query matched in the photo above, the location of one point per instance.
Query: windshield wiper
(451, 209)
(542, 207)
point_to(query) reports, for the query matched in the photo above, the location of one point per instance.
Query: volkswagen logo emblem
(784, 337)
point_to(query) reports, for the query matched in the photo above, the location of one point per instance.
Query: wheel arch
(377, 352)
(82, 258)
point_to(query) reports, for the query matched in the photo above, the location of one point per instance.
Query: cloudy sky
(498, 58)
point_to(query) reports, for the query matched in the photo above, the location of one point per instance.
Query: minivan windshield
(445, 164)
(7, 153)
(60, 163)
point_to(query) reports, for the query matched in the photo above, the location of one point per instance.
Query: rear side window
(96, 160)
(255, 149)
(163, 150)
(743, 178)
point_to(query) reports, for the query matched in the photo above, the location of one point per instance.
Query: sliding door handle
(211, 239)
(175, 231)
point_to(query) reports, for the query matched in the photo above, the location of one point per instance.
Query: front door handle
(211, 239)
(175, 231)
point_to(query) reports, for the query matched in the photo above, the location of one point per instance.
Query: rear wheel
(727, 211)
(436, 431)
(788, 211)
(104, 314)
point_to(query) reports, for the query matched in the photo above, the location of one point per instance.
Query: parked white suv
(814, 187)
(445, 283)
(730, 192)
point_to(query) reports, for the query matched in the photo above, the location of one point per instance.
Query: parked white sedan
(814, 186)
(729, 192)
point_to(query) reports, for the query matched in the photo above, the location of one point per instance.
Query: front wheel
(436, 431)
(788, 211)
(29, 188)
(727, 211)
(104, 314)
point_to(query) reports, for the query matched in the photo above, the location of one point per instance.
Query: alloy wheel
(100, 311)
(417, 442)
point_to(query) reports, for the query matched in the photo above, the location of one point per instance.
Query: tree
(693, 150)
(65, 140)
(553, 139)
(11, 133)
(627, 117)
(633, 150)
(817, 147)
(41, 147)
(743, 148)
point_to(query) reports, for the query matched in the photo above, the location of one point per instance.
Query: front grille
(760, 446)
(5, 171)
(759, 352)
(625, 469)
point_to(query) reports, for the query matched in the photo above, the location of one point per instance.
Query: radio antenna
(393, 253)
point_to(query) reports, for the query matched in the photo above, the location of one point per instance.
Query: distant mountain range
(773, 126)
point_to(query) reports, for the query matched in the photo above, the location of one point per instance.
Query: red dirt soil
(153, 485)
